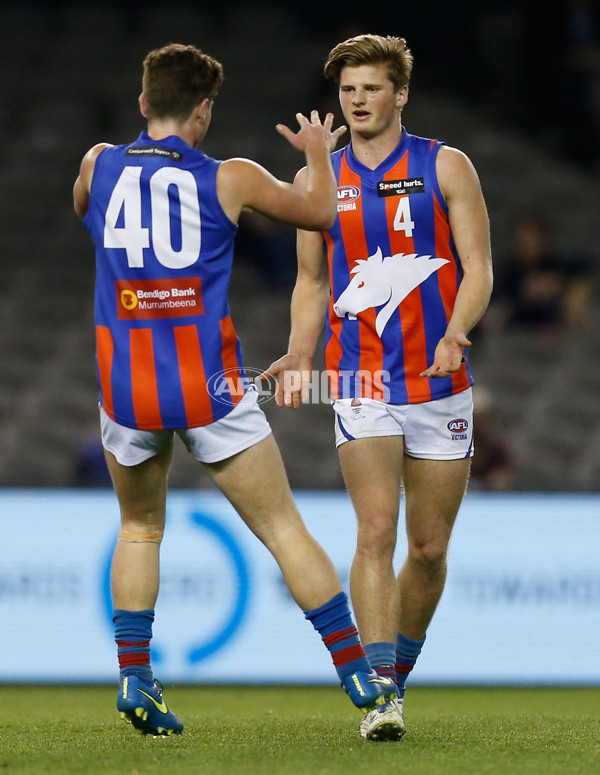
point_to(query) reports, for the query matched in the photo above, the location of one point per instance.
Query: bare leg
(372, 471)
(141, 491)
(255, 483)
(434, 491)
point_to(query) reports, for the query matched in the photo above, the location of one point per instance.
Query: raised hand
(312, 133)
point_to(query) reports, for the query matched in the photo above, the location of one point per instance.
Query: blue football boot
(368, 690)
(142, 705)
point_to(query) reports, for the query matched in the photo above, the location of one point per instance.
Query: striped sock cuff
(341, 635)
(348, 654)
(133, 653)
(333, 621)
(386, 671)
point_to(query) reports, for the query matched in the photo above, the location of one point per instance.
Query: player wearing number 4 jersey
(402, 276)
(163, 218)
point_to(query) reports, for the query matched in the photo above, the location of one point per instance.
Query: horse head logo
(383, 281)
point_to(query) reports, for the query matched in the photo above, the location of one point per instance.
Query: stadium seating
(78, 79)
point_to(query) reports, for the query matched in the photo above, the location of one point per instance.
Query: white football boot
(385, 722)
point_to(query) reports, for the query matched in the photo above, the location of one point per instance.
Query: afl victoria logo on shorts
(458, 429)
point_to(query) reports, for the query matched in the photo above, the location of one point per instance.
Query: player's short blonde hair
(371, 50)
(177, 79)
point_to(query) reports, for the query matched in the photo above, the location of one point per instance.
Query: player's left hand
(449, 356)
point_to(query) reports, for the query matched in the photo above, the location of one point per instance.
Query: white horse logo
(387, 281)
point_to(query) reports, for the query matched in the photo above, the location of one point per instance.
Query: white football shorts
(243, 427)
(435, 430)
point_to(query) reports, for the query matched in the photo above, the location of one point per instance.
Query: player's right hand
(292, 375)
(312, 132)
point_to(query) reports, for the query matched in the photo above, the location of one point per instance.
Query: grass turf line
(301, 731)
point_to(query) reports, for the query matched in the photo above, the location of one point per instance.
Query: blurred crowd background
(514, 85)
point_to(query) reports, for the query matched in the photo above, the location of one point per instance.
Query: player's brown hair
(372, 50)
(177, 78)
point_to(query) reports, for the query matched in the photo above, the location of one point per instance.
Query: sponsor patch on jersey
(356, 402)
(458, 429)
(346, 197)
(151, 299)
(154, 150)
(400, 187)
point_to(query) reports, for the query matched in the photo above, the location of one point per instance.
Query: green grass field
(302, 731)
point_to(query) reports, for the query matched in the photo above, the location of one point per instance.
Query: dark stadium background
(517, 89)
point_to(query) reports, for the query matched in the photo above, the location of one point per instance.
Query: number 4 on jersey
(133, 237)
(403, 219)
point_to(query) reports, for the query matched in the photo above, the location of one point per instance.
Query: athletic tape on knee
(140, 538)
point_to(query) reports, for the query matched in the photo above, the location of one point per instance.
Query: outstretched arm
(242, 183)
(470, 229)
(309, 305)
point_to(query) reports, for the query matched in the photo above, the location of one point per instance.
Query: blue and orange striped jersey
(164, 250)
(394, 274)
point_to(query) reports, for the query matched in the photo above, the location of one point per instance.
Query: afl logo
(348, 193)
(458, 426)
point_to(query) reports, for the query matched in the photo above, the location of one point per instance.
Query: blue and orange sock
(133, 633)
(407, 652)
(333, 622)
(382, 656)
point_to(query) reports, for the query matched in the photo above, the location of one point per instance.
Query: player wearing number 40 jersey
(163, 217)
(164, 254)
(401, 277)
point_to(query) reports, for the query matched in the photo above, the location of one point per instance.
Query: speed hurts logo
(401, 187)
(149, 299)
(458, 429)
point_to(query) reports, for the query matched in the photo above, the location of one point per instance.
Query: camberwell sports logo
(147, 299)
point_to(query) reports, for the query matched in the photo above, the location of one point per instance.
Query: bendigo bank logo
(128, 299)
(148, 299)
